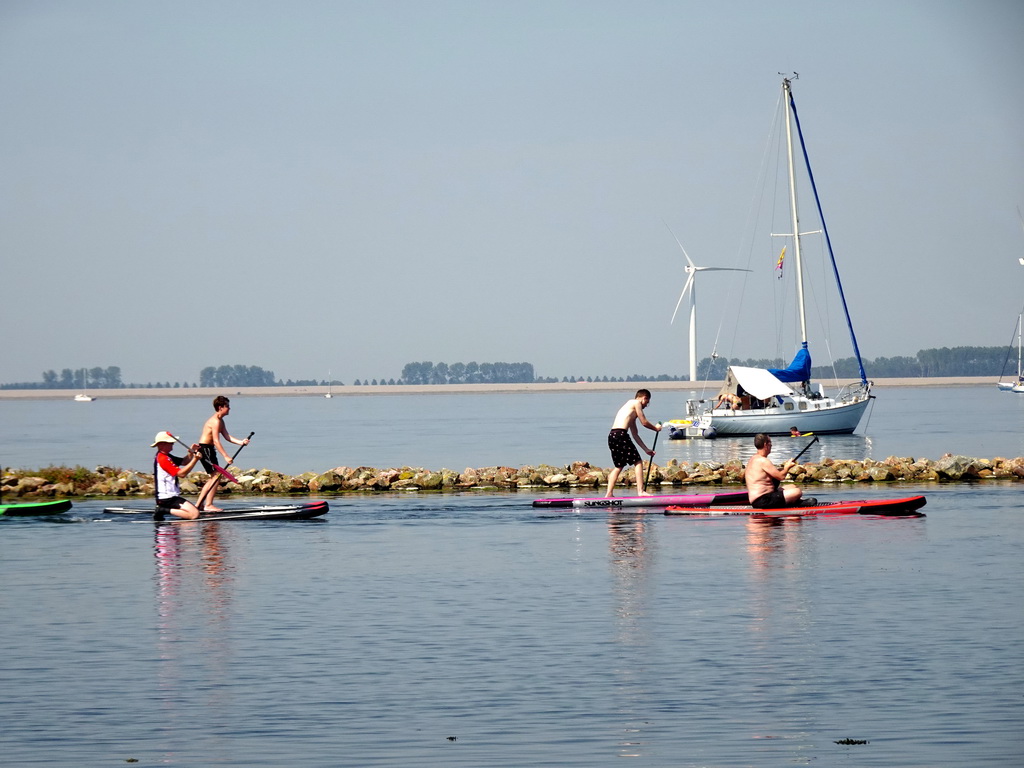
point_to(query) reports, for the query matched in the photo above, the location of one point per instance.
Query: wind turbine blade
(688, 286)
(721, 269)
(688, 259)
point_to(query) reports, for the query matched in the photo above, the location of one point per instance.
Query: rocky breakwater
(111, 482)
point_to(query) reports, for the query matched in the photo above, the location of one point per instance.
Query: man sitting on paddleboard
(763, 480)
(622, 448)
(166, 471)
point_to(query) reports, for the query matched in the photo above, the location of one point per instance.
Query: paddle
(220, 470)
(651, 461)
(240, 449)
(813, 441)
(202, 498)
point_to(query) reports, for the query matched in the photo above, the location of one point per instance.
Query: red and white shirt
(165, 471)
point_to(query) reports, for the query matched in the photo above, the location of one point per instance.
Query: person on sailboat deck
(729, 399)
(622, 448)
(763, 480)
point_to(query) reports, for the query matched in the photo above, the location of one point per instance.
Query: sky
(345, 187)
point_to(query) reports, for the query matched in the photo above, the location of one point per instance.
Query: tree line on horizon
(944, 361)
(468, 373)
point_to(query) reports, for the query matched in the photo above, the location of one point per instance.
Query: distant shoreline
(449, 389)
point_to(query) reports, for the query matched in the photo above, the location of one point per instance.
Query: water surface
(472, 630)
(299, 434)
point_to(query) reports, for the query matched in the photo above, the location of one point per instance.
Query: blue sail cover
(798, 370)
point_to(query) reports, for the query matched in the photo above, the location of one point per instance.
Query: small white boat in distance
(82, 397)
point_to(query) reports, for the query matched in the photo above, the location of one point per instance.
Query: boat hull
(55, 507)
(841, 419)
(905, 507)
(644, 502)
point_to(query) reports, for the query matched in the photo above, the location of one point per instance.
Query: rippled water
(473, 630)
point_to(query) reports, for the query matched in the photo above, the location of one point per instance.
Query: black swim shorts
(173, 502)
(774, 500)
(624, 453)
(208, 456)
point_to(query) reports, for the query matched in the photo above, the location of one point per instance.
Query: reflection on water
(194, 584)
(725, 449)
(631, 558)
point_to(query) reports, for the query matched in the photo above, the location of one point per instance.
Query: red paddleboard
(907, 507)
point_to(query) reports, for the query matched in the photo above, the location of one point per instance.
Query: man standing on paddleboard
(209, 444)
(763, 478)
(622, 448)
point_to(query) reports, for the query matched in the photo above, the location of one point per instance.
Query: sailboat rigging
(771, 400)
(1018, 384)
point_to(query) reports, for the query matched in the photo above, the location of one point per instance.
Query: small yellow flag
(778, 265)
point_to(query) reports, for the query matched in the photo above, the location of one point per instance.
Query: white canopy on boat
(755, 381)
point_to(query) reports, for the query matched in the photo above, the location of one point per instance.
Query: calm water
(371, 637)
(295, 435)
(472, 630)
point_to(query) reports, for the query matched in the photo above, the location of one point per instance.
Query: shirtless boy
(622, 448)
(214, 430)
(763, 478)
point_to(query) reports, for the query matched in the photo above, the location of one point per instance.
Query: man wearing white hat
(166, 471)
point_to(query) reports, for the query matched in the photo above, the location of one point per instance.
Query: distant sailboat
(83, 397)
(329, 382)
(1018, 384)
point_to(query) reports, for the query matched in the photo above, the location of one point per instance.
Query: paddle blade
(225, 474)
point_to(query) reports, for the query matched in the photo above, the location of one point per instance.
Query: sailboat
(82, 397)
(329, 382)
(1018, 384)
(770, 400)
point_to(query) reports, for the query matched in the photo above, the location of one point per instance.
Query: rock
(954, 467)
(328, 481)
(880, 474)
(108, 481)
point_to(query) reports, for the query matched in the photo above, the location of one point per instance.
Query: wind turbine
(692, 270)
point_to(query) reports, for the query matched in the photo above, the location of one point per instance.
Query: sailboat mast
(795, 218)
(1019, 318)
